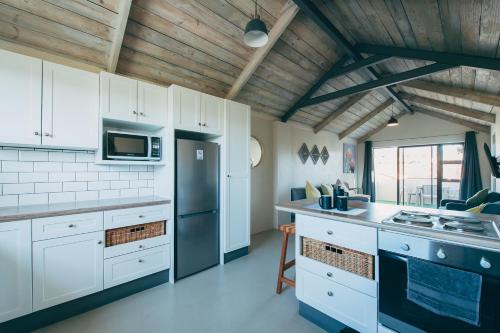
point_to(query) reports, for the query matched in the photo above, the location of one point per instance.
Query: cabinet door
(212, 114)
(20, 99)
(152, 104)
(15, 272)
(70, 108)
(118, 97)
(238, 176)
(67, 268)
(186, 103)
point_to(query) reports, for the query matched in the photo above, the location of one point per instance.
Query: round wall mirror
(255, 152)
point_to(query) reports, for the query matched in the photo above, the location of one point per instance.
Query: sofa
(492, 204)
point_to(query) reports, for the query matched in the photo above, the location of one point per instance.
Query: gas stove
(471, 226)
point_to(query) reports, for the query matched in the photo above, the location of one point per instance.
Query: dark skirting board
(233, 255)
(69, 309)
(322, 320)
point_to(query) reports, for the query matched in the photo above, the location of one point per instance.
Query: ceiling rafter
(366, 118)
(339, 111)
(116, 44)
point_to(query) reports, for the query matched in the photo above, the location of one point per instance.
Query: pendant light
(392, 121)
(256, 31)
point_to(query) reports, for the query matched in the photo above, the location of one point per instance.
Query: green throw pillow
(311, 191)
(477, 209)
(327, 189)
(477, 198)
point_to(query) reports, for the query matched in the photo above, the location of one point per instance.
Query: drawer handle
(141, 216)
(141, 261)
(329, 274)
(330, 293)
(99, 242)
(329, 232)
(141, 246)
(72, 226)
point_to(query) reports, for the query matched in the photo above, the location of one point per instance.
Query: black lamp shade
(256, 33)
(392, 122)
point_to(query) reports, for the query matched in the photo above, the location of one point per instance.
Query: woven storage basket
(134, 232)
(349, 260)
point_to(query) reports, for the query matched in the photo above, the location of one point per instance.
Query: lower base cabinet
(67, 268)
(15, 269)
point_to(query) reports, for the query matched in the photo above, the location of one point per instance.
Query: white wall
(262, 176)
(289, 171)
(420, 129)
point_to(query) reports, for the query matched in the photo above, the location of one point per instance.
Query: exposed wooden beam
(116, 43)
(339, 111)
(385, 81)
(366, 118)
(469, 94)
(480, 115)
(288, 13)
(454, 59)
(379, 128)
(459, 121)
(324, 23)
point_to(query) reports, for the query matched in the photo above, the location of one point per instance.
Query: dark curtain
(471, 174)
(368, 185)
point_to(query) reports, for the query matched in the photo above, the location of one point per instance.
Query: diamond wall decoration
(315, 154)
(303, 153)
(324, 155)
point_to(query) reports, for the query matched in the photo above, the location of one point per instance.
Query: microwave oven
(131, 146)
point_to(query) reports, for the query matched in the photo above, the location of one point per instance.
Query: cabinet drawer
(131, 216)
(351, 280)
(132, 266)
(140, 245)
(355, 237)
(68, 225)
(352, 308)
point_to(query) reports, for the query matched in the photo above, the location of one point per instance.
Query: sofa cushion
(327, 189)
(493, 197)
(491, 208)
(311, 191)
(477, 198)
(477, 209)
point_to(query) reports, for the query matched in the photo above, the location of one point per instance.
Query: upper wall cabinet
(197, 112)
(129, 100)
(70, 107)
(20, 99)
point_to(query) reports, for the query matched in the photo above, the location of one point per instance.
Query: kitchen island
(339, 258)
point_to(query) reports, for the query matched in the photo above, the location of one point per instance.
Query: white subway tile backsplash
(75, 186)
(99, 185)
(47, 166)
(39, 176)
(8, 200)
(34, 199)
(68, 167)
(33, 155)
(32, 177)
(18, 188)
(14, 166)
(9, 178)
(61, 156)
(48, 187)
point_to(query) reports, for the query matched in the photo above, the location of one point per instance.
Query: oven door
(127, 146)
(399, 314)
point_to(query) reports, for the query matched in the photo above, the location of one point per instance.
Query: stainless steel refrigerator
(197, 207)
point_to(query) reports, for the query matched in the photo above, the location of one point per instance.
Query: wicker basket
(133, 233)
(349, 260)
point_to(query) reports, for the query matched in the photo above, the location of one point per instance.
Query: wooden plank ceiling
(198, 44)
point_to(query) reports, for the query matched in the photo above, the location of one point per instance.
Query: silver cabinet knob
(329, 232)
(199, 124)
(330, 293)
(329, 274)
(440, 254)
(47, 134)
(405, 247)
(71, 226)
(205, 124)
(141, 261)
(228, 176)
(99, 242)
(141, 216)
(134, 112)
(142, 114)
(36, 133)
(141, 246)
(485, 263)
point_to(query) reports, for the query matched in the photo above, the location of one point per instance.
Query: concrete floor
(238, 297)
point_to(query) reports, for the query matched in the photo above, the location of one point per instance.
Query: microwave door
(127, 146)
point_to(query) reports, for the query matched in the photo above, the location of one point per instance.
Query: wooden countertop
(38, 211)
(376, 213)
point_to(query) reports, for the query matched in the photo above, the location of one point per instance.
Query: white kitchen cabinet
(118, 97)
(237, 141)
(20, 99)
(197, 112)
(152, 104)
(15, 269)
(67, 268)
(70, 107)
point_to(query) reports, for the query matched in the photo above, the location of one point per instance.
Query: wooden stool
(287, 229)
